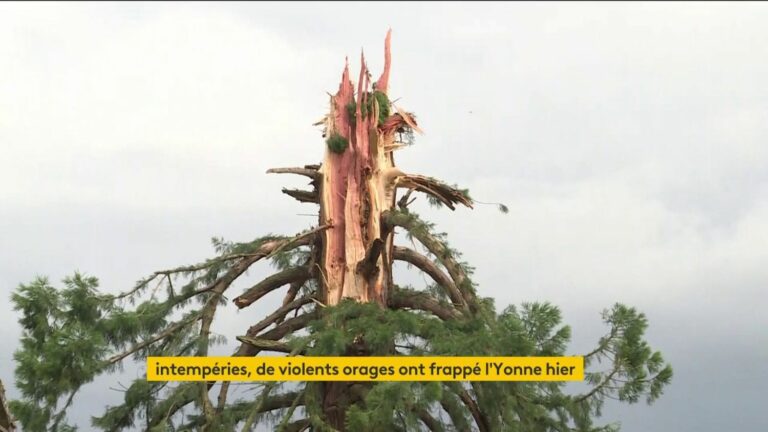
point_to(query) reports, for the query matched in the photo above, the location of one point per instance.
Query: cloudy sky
(628, 140)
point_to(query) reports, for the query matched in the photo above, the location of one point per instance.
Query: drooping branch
(208, 312)
(279, 315)
(267, 249)
(409, 299)
(436, 247)
(285, 328)
(474, 409)
(427, 266)
(272, 283)
(451, 404)
(448, 195)
(293, 291)
(430, 422)
(170, 330)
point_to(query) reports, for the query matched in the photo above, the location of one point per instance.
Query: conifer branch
(279, 314)
(287, 276)
(420, 230)
(427, 266)
(285, 328)
(403, 298)
(296, 426)
(162, 335)
(480, 420)
(430, 422)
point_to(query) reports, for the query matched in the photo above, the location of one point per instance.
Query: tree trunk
(356, 253)
(357, 185)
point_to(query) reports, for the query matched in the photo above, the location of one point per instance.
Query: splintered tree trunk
(358, 184)
(355, 186)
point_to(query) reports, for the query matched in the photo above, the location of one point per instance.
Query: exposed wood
(357, 189)
(353, 191)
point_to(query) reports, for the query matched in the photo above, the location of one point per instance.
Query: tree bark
(6, 420)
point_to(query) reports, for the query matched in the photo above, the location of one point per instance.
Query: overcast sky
(628, 140)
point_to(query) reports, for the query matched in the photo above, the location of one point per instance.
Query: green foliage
(337, 143)
(376, 97)
(382, 101)
(352, 111)
(74, 332)
(533, 329)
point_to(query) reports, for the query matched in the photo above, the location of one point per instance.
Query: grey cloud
(627, 140)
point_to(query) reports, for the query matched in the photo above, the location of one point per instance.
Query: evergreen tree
(341, 299)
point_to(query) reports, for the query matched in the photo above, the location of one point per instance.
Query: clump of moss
(367, 108)
(351, 108)
(337, 143)
(383, 101)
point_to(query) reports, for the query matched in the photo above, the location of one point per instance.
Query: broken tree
(340, 299)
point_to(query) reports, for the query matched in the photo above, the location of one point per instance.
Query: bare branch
(270, 284)
(290, 295)
(223, 392)
(307, 172)
(265, 344)
(303, 195)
